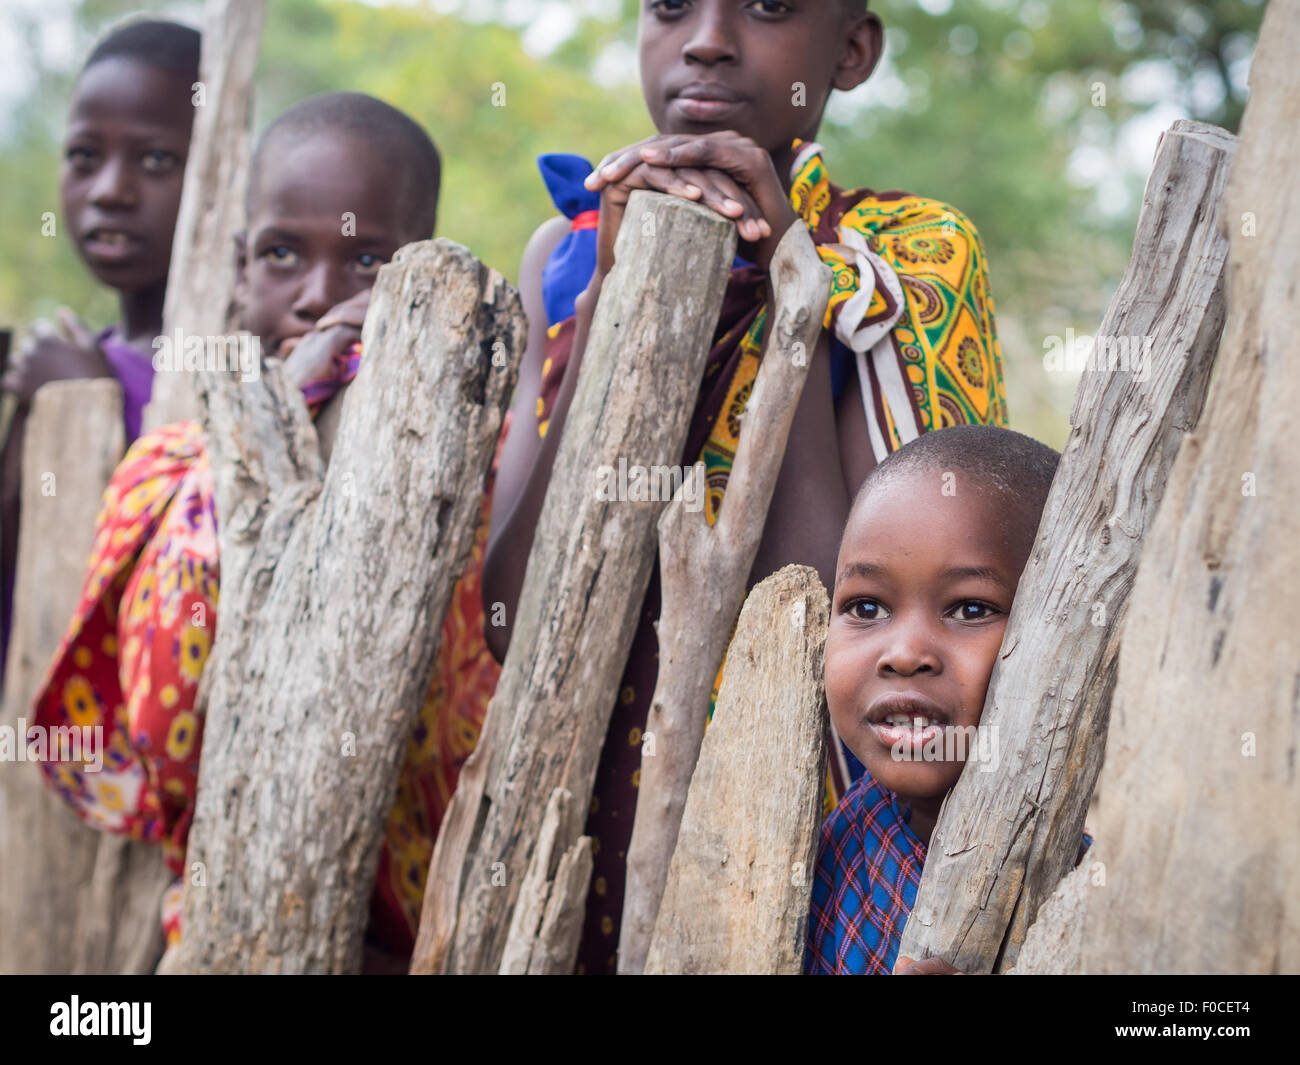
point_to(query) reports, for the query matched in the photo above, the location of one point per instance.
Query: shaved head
(388, 135)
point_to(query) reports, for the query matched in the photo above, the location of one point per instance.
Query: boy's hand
(724, 171)
(311, 356)
(47, 354)
(905, 966)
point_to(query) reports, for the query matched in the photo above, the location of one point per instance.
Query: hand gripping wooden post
(334, 585)
(1196, 865)
(1011, 827)
(740, 883)
(704, 572)
(587, 574)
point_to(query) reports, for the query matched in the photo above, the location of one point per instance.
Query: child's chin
(915, 780)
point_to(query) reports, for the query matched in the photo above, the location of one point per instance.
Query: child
(127, 141)
(135, 651)
(736, 90)
(928, 567)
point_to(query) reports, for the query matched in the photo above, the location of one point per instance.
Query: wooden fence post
(694, 628)
(72, 899)
(1196, 865)
(587, 574)
(333, 593)
(201, 281)
(1006, 837)
(740, 883)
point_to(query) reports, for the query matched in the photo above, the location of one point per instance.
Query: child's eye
(668, 8)
(866, 610)
(280, 255)
(770, 7)
(81, 158)
(159, 161)
(973, 610)
(369, 263)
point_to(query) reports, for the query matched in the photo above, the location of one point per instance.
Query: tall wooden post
(587, 574)
(1005, 837)
(334, 585)
(737, 892)
(201, 282)
(1196, 867)
(72, 899)
(704, 573)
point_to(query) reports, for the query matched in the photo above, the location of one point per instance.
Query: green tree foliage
(988, 104)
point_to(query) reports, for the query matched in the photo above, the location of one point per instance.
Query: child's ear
(864, 41)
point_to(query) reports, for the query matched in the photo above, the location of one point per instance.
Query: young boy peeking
(736, 89)
(120, 185)
(135, 650)
(928, 567)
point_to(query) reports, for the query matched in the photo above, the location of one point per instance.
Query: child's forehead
(323, 176)
(922, 518)
(129, 91)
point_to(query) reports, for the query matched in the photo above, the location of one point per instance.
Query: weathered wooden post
(72, 899)
(334, 584)
(587, 574)
(704, 573)
(1196, 865)
(201, 282)
(738, 890)
(1005, 838)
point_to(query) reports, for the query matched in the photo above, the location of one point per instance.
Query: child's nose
(909, 651)
(113, 185)
(322, 288)
(713, 39)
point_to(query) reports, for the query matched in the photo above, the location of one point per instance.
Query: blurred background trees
(1038, 119)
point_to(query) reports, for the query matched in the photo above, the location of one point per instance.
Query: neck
(924, 816)
(142, 314)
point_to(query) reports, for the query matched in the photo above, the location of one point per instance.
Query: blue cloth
(869, 865)
(573, 261)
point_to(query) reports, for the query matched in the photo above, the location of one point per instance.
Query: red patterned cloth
(134, 651)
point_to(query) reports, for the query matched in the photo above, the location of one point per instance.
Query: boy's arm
(527, 457)
(820, 473)
(826, 459)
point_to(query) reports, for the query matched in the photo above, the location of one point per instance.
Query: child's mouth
(907, 732)
(110, 245)
(906, 721)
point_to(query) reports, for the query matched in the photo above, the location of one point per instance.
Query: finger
(724, 151)
(720, 192)
(74, 329)
(617, 165)
(42, 329)
(660, 179)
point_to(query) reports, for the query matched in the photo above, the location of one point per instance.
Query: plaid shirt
(868, 870)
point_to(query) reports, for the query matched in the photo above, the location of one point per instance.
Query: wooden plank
(1005, 838)
(79, 901)
(201, 281)
(693, 632)
(333, 592)
(740, 883)
(587, 573)
(547, 922)
(1196, 868)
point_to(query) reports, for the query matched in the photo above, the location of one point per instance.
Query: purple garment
(134, 372)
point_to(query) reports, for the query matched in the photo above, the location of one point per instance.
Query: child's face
(123, 165)
(325, 219)
(924, 583)
(711, 65)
